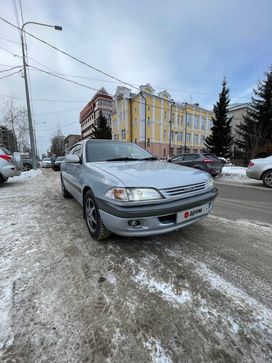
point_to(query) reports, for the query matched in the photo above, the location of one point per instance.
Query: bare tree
(57, 144)
(15, 118)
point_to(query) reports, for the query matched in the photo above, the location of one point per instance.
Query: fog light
(135, 223)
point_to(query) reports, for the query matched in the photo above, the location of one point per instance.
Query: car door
(71, 174)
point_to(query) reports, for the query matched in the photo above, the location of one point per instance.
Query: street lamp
(30, 123)
(170, 127)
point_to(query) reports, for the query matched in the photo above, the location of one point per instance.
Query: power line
(11, 74)
(9, 40)
(71, 56)
(10, 69)
(65, 79)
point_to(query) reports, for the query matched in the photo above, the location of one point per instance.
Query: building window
(202, 139)
(179, 136)
(203, 124)
(148, 121)
(164, 152)
(165, 114)
(123, 134)
(172, 135)
(179, 150)
(189, 120)
(164, 134)
(188, 137)
(196, 122)
(195, 139)
(178, 120)
(148, 142)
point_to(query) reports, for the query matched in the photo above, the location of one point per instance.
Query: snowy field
(203, 294)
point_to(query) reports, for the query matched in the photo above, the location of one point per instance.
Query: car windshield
(46, 159)
(4, 150)
(115, 151)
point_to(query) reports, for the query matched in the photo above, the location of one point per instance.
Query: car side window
(190, 157)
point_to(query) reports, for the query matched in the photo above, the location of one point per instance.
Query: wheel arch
(270, 169)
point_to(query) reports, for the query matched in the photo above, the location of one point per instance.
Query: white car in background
(261, 169)
(46, 163)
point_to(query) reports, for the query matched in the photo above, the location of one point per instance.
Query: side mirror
(72, 158)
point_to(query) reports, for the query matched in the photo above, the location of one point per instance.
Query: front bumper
(154, 218)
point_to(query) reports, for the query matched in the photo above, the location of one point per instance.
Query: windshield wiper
(122, 159)
(150, 158)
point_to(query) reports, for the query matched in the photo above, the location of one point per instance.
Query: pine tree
(101, 128)
(220, 140)
(256, 129)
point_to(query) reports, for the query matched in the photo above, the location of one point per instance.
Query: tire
(94, 222)
(267, 178)
(2, 180)
(64, 191)
(26, 167)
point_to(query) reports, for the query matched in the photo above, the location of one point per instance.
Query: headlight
(210, 182)
(133, 194)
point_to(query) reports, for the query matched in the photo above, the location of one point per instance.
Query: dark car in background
(57, 163)
(202, 161)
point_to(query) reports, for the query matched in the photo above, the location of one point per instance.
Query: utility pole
(170, 127)
(30, 123)
(185, 147)
(141, 93)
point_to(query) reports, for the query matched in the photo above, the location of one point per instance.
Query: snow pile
(234, 173)
(26, 175)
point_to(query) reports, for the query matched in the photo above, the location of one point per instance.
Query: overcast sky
(186, 47)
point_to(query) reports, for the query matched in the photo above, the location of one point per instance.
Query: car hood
(156, 174)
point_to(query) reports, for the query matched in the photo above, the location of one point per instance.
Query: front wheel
(267, 178)
(94, 222)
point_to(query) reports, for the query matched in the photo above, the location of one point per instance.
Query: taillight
(5, 157)
(208, 161)
(251, 163)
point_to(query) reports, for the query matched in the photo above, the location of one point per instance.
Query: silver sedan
(261, 169)
(125, 190)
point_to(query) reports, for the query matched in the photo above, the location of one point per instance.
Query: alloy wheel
(268, 179)
(91, 215)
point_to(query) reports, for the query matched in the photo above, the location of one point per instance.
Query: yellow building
(149, 119)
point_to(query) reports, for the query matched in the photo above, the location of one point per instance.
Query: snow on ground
(25, 175)
(236, 174)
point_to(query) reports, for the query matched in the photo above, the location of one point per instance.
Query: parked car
(203, 161)
(261, 169)
(46, 163)
(125, 190)
(10, 165)
(58, 161)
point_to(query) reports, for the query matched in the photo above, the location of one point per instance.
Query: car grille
(185, 189)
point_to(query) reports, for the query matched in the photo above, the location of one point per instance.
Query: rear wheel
(26, 167)
(267, 178)
(94, 222)
(2, 179)
(64, 191)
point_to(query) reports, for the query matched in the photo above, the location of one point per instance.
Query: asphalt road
(244, 202)
(201, 294)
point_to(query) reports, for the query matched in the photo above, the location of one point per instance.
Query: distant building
(69, 141)
(8, 139)
(101, 101)
(237, 111)
(158, 123)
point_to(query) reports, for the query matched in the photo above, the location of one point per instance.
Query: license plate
(188, 214)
